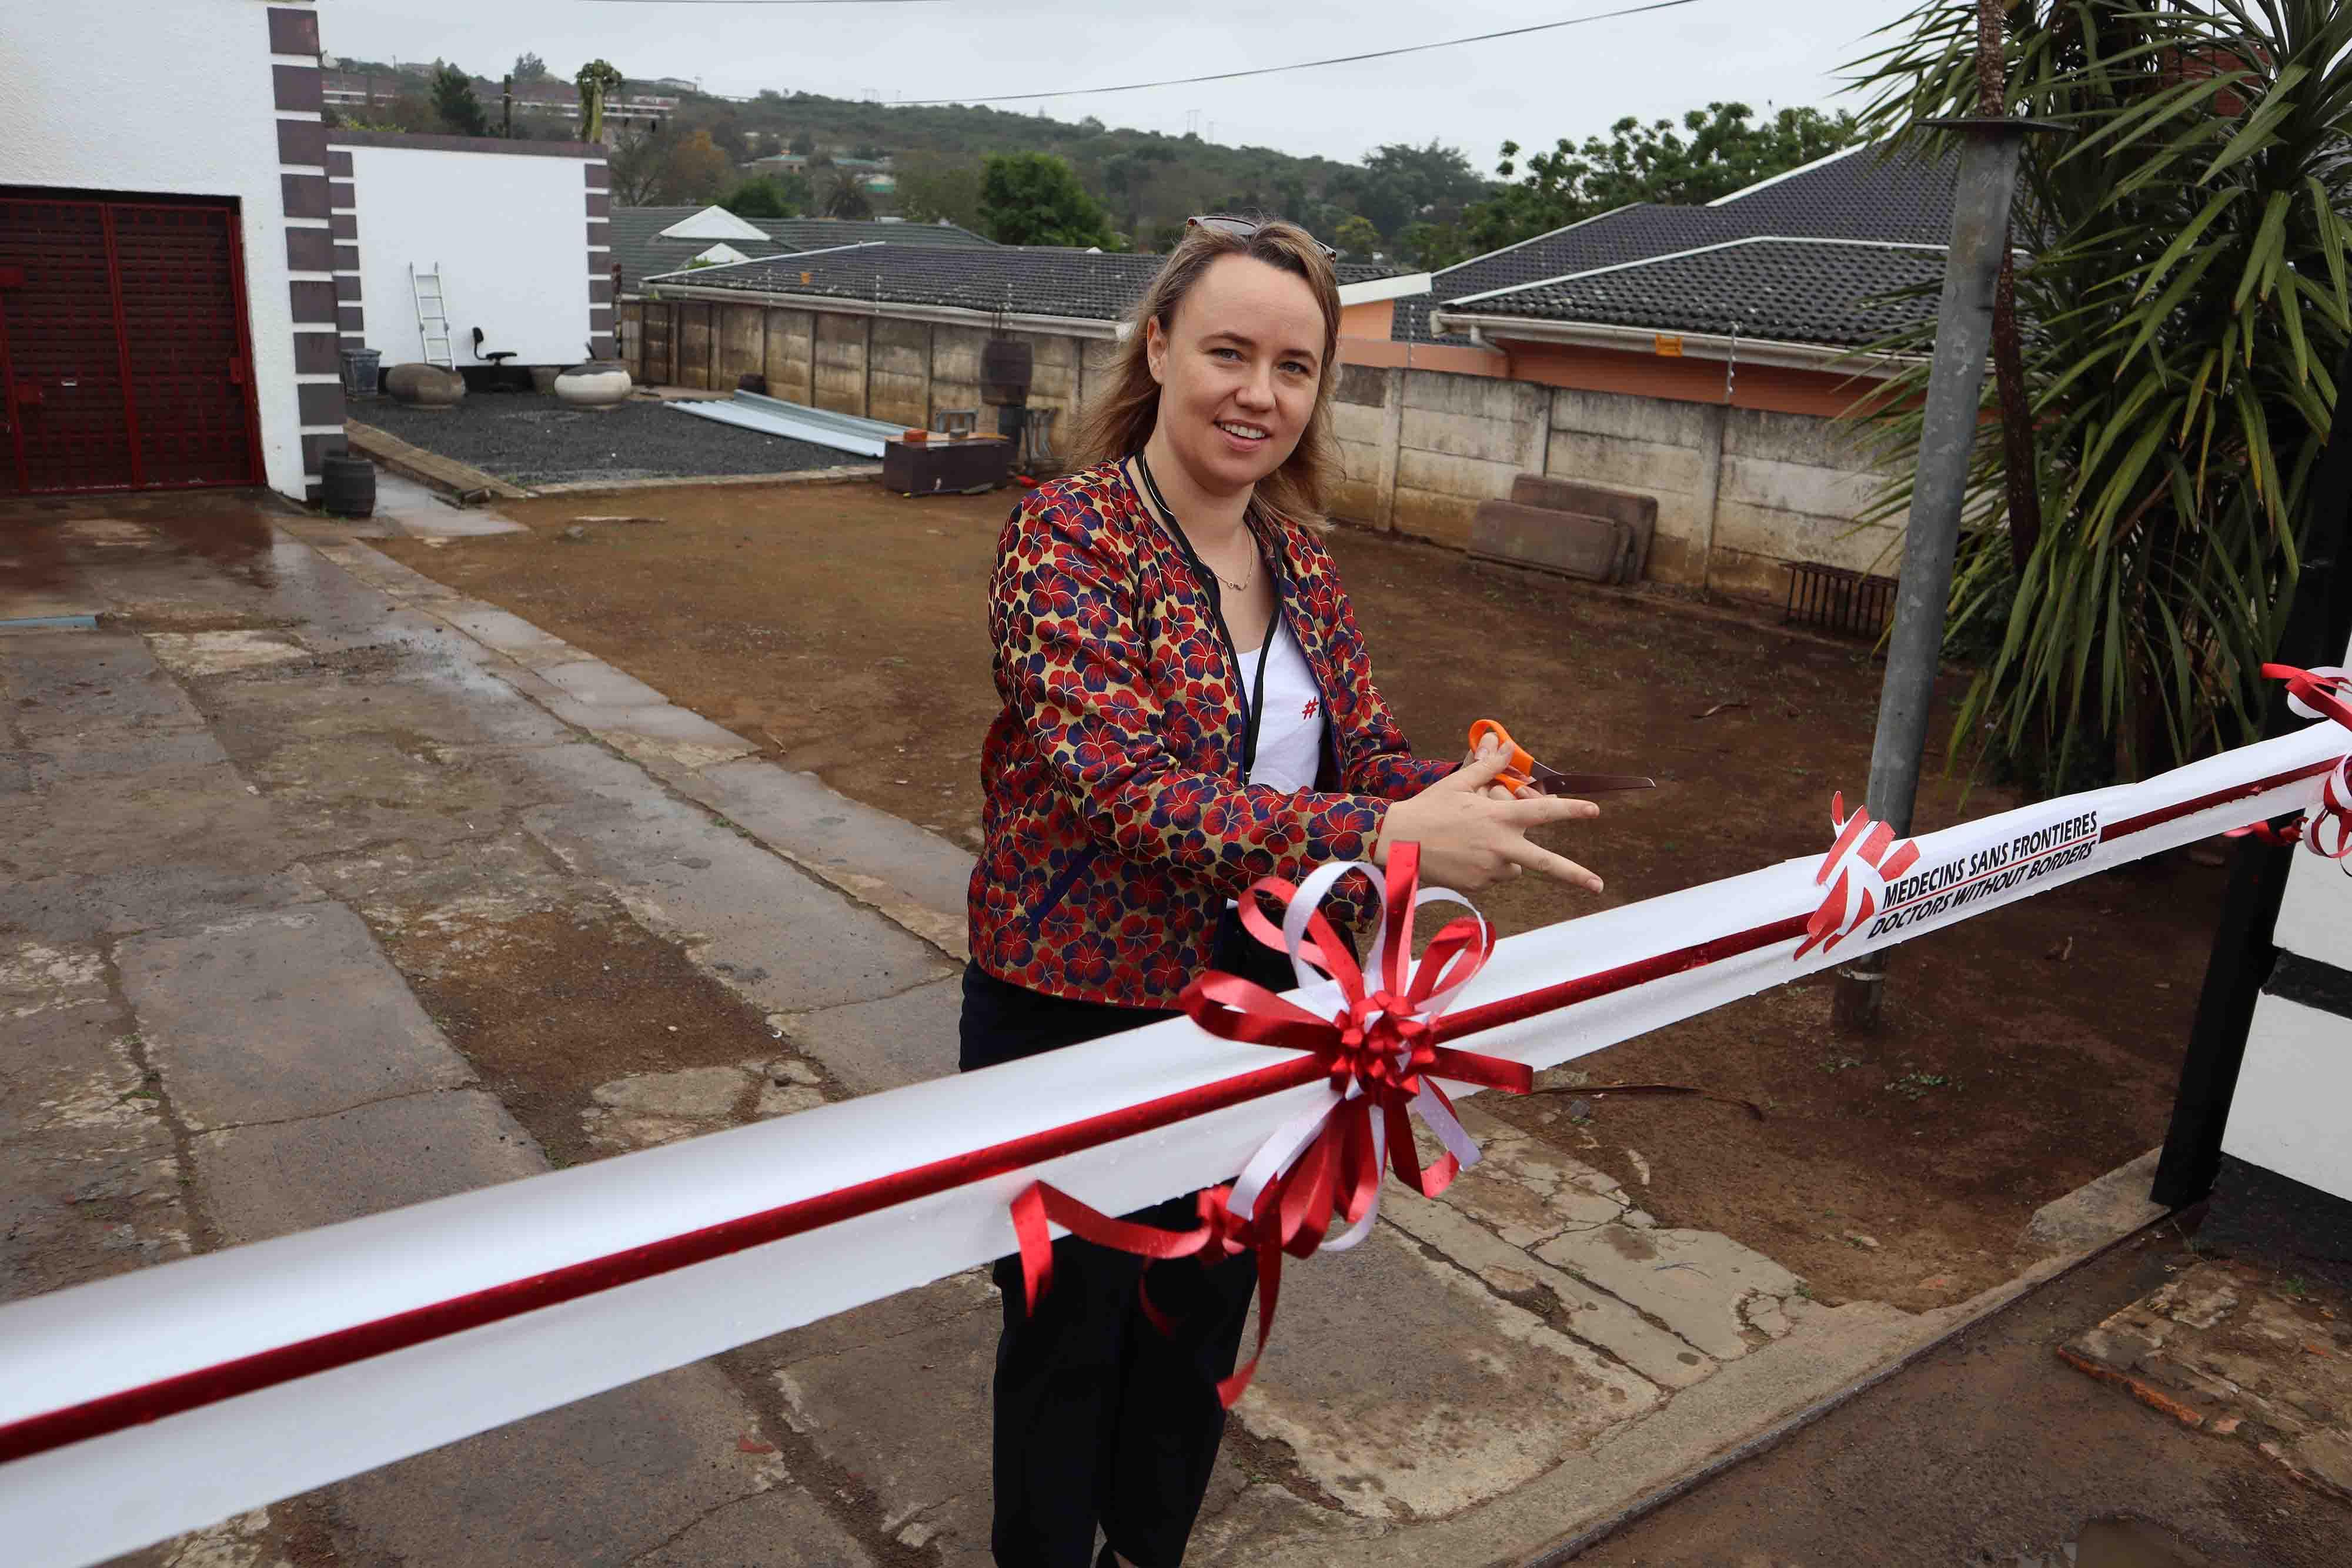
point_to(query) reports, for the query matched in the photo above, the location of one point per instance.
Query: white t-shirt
(1290, 736)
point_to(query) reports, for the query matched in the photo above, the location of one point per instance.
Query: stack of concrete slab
(1561, 525)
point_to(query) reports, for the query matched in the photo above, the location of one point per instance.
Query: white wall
(104, 100)
(509, 231)
(2295, 1088)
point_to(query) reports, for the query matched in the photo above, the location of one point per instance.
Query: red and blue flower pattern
(1117, 823)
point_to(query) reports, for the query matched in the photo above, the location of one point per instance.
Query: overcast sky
(1571, 82)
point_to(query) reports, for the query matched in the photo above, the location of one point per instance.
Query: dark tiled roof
(1865, 194)
(1037, 280)
(1862, 195)
(1791, 290)
(819, 233)
(638, 246)
(1628, 233)
(634, 235)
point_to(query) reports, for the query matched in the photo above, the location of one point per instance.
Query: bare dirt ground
(844, 628)
(1992, 1450)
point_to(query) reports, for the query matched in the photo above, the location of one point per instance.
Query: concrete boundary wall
(1741, 491)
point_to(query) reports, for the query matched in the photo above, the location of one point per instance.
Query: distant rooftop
(643, 247)
(1861, 194)
(1802, 290)
(1030, 280)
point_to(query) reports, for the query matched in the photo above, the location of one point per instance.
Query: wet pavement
(332, 890)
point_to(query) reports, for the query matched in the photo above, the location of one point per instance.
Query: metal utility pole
(1947, 433)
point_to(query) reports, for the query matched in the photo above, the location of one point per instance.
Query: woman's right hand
(1469, 839)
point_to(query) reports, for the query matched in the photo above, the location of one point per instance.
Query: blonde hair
(1118, 421)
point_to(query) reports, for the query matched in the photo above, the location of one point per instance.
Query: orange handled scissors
(1523, 770)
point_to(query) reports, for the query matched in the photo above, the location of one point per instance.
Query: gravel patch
(529, 438)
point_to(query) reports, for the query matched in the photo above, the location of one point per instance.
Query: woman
(1188, 707)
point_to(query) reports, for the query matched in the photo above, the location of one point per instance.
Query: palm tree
(844, 196)
(2180, 319)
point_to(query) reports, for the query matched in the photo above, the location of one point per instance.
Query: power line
(1263, 70)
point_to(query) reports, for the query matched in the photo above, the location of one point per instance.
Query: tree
(844, 196)
(694, 172)
(455, 103)
(1356, 239)
(2178, 325)
(529, 67)
(727, 135)
(803, 144)
(766, 196)
(932, 187)
(1655, 163)
(634, 165)
(1035, 198)
(1400, 182)
(597, 80)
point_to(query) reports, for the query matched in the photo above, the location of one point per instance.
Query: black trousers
(1100, 1419)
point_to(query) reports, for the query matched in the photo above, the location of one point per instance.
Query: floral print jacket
(1117, 823)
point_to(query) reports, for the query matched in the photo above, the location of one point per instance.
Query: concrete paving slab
(1724, 1299)
(293, 1013)
(274, 1178)
(800, 814)
(190, 654)
(595, 1484)
(63, 682)
(926, 1458)
(1479, 1395)
(74, 906)
(596, 683)
(872, 1045)
(1592, 1315)
(414, 510)
(778, 938)
(510, 634)
(784, 1528)
(2097, 1211)
(89, 1184)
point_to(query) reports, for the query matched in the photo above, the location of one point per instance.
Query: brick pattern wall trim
(310, 250)
(303, 195)
(598, 195)
(308, 198)
(293, 31)
(302, 143)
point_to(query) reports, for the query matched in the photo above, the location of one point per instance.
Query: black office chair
(495, 357)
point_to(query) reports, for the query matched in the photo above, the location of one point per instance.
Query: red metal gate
(123, 362)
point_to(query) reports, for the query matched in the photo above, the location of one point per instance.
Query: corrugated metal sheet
(773, 416)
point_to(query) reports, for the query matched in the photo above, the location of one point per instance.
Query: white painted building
(167, 302)
(514, 231)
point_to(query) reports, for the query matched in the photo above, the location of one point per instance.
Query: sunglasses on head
(1243, 228)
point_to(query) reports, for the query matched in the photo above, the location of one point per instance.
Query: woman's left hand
(1498, 791)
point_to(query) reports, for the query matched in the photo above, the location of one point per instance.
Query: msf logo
(1866, 858)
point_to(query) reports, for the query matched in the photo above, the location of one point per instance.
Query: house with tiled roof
(893, 327)
(658, 239)
(1701, 356)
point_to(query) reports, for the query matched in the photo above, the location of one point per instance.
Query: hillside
(1150, 182)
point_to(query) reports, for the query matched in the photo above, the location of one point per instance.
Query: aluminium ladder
(432, 315)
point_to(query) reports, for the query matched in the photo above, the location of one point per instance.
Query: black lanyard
(1254, 701)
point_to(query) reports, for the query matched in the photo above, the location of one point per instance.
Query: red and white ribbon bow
(1381, 1062)
(1381, 1070)
(2326, 828)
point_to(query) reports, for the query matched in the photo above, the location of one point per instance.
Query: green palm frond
(2187, 301)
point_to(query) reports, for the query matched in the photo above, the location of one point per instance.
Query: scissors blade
(1551, 781)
